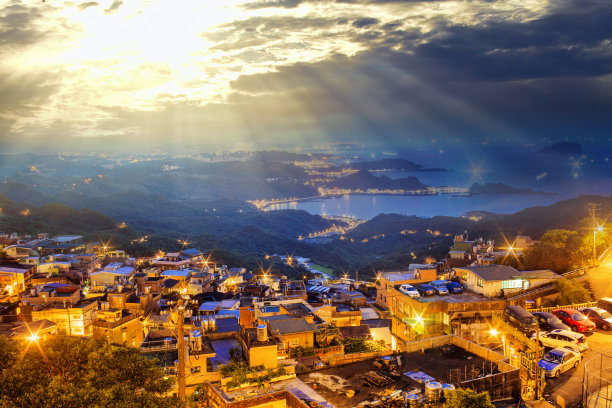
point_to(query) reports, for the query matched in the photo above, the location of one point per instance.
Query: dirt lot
(332, 383)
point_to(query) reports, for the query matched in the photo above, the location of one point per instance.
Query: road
(569, 384)
(600, 278)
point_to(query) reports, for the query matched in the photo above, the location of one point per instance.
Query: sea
(560, 176)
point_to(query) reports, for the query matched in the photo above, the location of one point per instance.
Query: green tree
(558, 250)
(466, 398)
(71, 372)
(571, 292)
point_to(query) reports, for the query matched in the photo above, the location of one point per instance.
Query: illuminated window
(464, 276)
(294, 343)
(479, 282)
(514, 284)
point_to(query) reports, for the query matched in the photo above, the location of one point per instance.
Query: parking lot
(568, 387)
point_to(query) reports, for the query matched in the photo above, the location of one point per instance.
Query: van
(521, 319)
(605, 303)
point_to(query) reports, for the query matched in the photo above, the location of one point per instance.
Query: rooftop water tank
(262, 333)
(433, 389)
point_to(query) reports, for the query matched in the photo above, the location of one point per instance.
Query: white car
(563, 338)
(409, 290)
(559, 360)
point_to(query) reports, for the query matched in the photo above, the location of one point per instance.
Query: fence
(159, 345)
(276, 399)
(335, 360)
(597, 382)
(574, 306)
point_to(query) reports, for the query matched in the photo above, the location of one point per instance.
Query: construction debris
(377, 379)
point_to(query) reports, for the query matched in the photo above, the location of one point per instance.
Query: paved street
(601, 278)
(569, 385)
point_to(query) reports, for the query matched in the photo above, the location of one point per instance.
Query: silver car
(559, 360)
(409, 290)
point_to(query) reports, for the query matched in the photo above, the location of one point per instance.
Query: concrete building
(294, 332)
(495, 280)
(75, 320)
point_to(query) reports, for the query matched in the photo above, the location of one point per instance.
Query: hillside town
(232, 334)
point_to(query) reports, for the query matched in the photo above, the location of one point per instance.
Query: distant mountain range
(364, 180)
(244, 235)
(500, 188)
(392, 165)
(563, 148)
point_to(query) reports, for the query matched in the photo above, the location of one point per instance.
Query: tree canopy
(73, 372)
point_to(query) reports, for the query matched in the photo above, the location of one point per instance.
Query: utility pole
(593, 207)
(537, 372)
(181, 350)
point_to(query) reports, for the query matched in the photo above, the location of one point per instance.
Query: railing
(573, 306)
(575, 274)
(500, 324)
(159, 345)
(106, 325)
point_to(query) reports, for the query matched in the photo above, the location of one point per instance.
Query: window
(512, 284)
(294, 342)
(464, 276)
(479, 282)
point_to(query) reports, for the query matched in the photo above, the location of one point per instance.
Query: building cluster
(229, 314)
(65, 284)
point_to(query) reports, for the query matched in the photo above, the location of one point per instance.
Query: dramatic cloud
(306, 71)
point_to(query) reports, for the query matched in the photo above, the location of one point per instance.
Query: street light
(595, 231)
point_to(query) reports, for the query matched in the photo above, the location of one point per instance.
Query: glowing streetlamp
(595, 231)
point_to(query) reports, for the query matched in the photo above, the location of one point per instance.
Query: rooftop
(290, 326)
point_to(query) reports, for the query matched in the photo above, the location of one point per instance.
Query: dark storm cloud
(569, 42)
(364, 22)
(545, 76)
(273, 3)
(22, 94)
(296, 3)
(17, 25)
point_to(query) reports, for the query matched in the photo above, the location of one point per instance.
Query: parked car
(559, 360)
(575, 320)
(426, 290)
(602, 318)
(409, 290)
(563, 338)
(605, 303)
(521, 319)
(454, 287)
(549, 321)
(440, 287)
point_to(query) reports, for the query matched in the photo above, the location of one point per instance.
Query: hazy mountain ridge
(392, 165)
(500, 188)
(364, 180)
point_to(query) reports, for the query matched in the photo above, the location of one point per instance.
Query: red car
(575, 320)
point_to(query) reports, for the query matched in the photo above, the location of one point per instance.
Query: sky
(273, 73)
